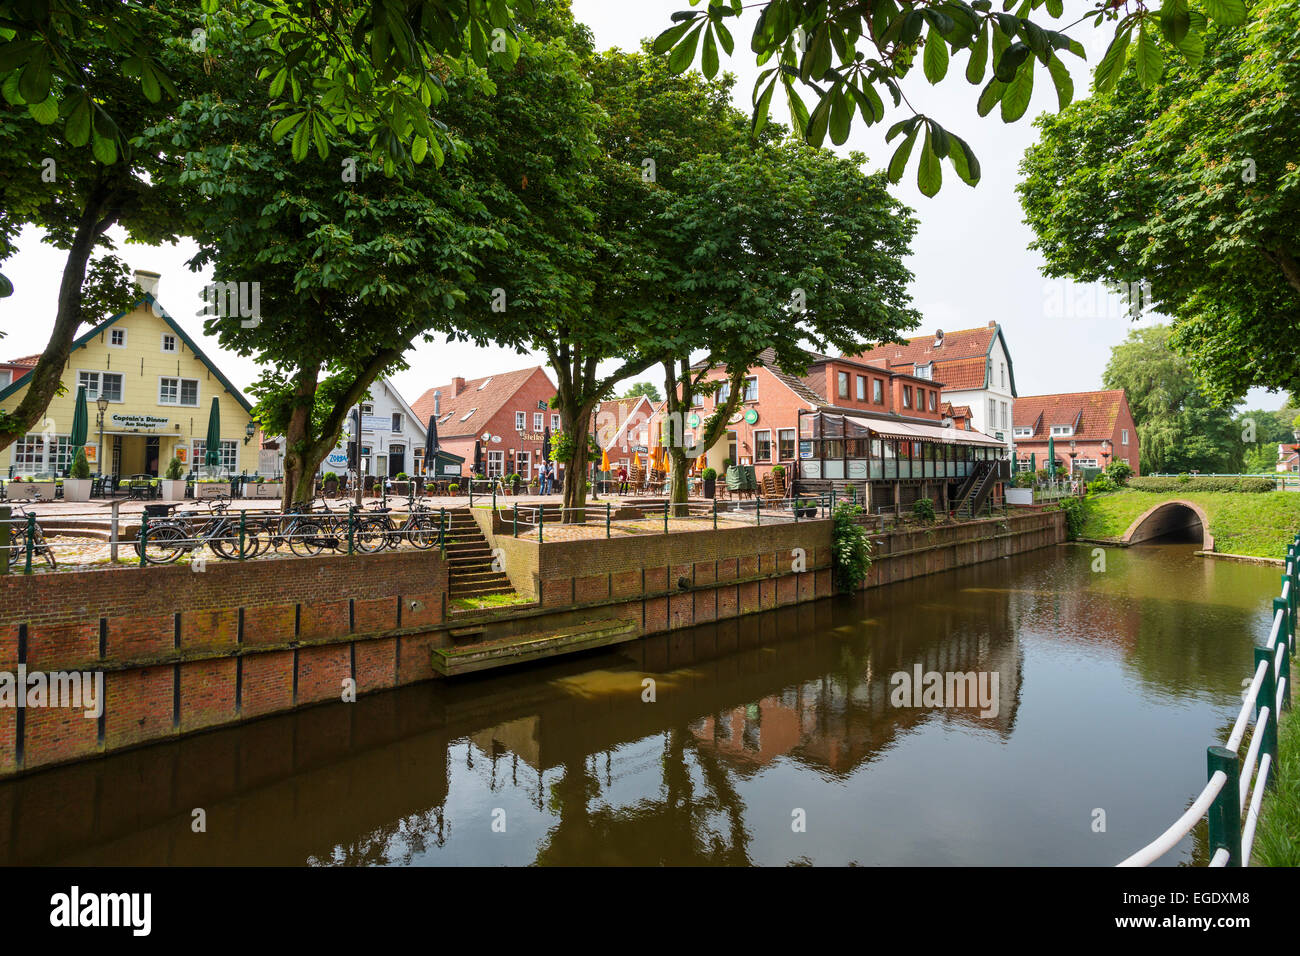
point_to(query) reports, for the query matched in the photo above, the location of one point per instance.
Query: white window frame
(1123, 436)
(770, 448)
(116, 345)
(180, 391)
(199, 445)
(745, 396)
(495, 463)
(175, 343)
(924, 371)
(1062, 431)
(1023, 431)
(99, 385)
(1006, 415)
(539, 421)
(794, 443)
(397, 423)
(555, 421)
(521, 421)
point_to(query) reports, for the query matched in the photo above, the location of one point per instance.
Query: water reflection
(1111, 684)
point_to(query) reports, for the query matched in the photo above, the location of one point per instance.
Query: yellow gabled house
(159, 387)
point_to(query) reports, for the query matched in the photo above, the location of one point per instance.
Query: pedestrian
(622, 479)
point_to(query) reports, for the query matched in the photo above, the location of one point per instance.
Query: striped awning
(909, 431)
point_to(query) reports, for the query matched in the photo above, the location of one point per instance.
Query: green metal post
(243, 518)
(351, 528)
(442, 531)
(515, 522)
(715, 514)
(1267, 698)
(665, 517)
(541, 520)
(5, 534)
(31, 543)
(758, 512)
(1285, 635)
(144, 542)
(607, 516)
(1225, 811)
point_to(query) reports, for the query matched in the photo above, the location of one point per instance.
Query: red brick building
(1096, 426)
(622, 427)
(507, 414)
(15, 369)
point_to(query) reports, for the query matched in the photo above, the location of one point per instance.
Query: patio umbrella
(1051, 457)
(546, 444)
(604, 459)
(431, 447)
(478, 457)
(1033, 462)
(80, 424)
(212, 444)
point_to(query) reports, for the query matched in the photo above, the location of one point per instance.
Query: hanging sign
(751, 415)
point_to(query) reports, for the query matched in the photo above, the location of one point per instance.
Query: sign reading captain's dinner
(139, 421)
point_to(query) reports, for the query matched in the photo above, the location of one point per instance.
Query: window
(229, 452)
(934, 401)
(925, 371)
(168, 342)
(6, 376)
(178, 391)
(842, 386)
(862, 388)
(1004, 414)
(1123, 436)
(878, 391)
(397, 422)
(109, 383)
(555, 423)
(496, 463)
(751, 389)
(1059, 430)
(762, 446)
(1022, 431)
(907, 396)
(117, 338)
(538, 419)
(1086, 463)
(993, 414)
(785, 444)
(29, 455)
(520, 421)
(367, 409)
(468, 414)
(1003, 367)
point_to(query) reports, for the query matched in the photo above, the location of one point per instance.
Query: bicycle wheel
(165, 544)
(306, 538)
(370, 535)
(422, 531)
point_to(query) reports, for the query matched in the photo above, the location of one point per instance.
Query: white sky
(969, 256)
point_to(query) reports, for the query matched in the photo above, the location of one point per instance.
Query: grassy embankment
(1277, 838)
(1260, 525)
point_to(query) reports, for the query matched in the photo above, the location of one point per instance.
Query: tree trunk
(299, 472)
(43, 381)
(575, 425)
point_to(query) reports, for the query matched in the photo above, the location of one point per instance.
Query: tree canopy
(1193, 189)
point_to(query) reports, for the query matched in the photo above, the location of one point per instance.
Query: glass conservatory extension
(848, 447)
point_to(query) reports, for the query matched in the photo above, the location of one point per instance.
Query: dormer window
(925, 371)
(1024, 432)
(468, 414)
(1062, 431)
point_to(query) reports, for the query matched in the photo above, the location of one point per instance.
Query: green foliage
(329, 476)
(854, 55)
(1074, 517)
(1196, 483)
(1180, 429)
(1193, 186)
(1024, 479)
(1259, 525)
(80, 467)
(648, 389)
(923, 510)
(850, 549)
(709, 474)
(1277, 839)
(1102, 484)
(1119, 472)
(174, 470)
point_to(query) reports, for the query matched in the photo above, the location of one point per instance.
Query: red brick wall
(538, 388)
(182, 650)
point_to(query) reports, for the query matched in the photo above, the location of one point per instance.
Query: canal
(771, 740)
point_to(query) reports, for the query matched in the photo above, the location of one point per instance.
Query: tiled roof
(802, 387)
(963, 344)
(621, 413)
(1096, 413)
(27, 360)
(470, 412)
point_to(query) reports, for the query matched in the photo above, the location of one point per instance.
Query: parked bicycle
(164, 539)
(376, 530)
(18, 540)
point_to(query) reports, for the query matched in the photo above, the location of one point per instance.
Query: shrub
(778, 469)
(80, 467)
(709, 474)
(1119, 472)
(453, 489)
(174, 470)
(329, 476)
(1101, 485)
(923, 509)
(850, 549)
(1073, 508)
(726, 463)
(1188, 483)
(512, 478)
(1024, 479)
(403, 476)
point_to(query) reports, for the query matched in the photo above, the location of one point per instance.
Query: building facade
(1085, 429)
(975, 368)
(392, 436)
(507, 415)
(159, 386)
(622, 428)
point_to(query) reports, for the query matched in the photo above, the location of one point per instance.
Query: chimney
(457, 386)
(147, 281)
(993, 324)
(437, 403)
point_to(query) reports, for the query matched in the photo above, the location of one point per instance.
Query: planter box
(76, 489)
(30, 489)
(173, 490)
(211, 489)
(265, 490)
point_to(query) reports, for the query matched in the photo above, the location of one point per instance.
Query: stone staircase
(469, 559)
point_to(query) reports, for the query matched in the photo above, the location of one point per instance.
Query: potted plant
(807, 507)
(453, 489)
(76, 487)
(211, 487)
(330, 481)
(402, 483)
(512, 482)
(173, 484)
(710, 479)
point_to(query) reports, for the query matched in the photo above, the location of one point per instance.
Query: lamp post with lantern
(102, 404)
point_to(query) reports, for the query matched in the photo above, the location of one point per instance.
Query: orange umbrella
(604, 460)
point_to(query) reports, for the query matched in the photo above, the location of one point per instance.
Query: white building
(392, 437)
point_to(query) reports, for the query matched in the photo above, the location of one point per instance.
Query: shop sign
(138, 421)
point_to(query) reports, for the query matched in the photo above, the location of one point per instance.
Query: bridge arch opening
(1172, 521)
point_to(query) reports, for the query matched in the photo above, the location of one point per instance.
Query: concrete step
(521, 648)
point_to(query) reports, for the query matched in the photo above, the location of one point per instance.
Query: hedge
(1248, 485)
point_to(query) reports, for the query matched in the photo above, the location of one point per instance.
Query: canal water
(777, 739)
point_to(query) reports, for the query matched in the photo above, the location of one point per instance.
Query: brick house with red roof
(622, 427)
(974, 366)
(15, 369)
(1099, 424)
(1288, 458)
(513, 409)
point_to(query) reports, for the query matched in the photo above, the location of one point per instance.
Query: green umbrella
(1033, 462)
(80, 424)
(1051, 457)
(212, 446)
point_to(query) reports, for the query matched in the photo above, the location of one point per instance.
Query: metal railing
(1229, 792)
(168, 533)
(607, 517)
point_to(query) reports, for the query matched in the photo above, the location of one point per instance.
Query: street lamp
(1105, 452)
(249, 431)
(1073, 451)
(102, 404)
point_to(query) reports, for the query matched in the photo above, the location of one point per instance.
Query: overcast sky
(970, 260)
